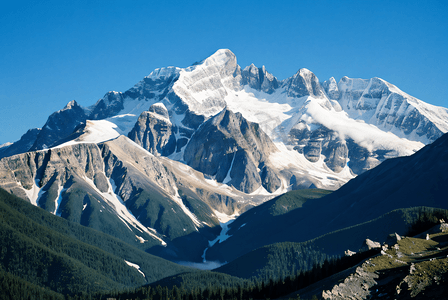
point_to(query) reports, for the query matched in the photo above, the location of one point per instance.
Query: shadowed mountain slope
(417, 180)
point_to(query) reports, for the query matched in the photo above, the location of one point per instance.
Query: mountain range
(208, 163)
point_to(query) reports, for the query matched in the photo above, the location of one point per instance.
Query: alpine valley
(218, 166)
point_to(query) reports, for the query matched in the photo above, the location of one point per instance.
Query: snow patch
(223, 235)
(5, 145)
(224, 218)
(58, 201)
(185, 209)
(95, 132)
(260, 191)
(224, 221)
(212, 182)
(135, 266)
(33, 193)
(142, 240)
(228, 177)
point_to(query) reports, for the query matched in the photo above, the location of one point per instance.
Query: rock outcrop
(154, 131)
(234, 151)
(21, 146)
(382, 104)
(60, 125)
(356, 286)
(412, 268)
(259, 79)
(369, 245)
(304, 83)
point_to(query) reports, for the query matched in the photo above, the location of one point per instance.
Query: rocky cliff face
(59, 125)
(149, 191)
(314, 143)
(259, 79)
(111, 104)
(23, 174)
(303, 83)
(154, 131)
(337, 152)
(331, 88)
(22, 145)
(84, 183)
(233, 151)
(382, 104)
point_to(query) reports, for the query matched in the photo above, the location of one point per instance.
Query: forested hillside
(52, 252)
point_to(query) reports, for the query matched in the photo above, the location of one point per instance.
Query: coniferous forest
(47, 257)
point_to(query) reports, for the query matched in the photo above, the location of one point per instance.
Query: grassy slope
(280, 259)
(428, 280)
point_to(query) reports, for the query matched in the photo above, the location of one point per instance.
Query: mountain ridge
(157, 164)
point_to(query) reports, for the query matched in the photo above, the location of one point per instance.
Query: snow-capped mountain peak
(71, 105)
(204, 87)
(304, 83)
(163, 73)
(221, 57)
(382, 104)
(355, 122)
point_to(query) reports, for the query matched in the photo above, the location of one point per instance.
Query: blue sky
(52, 52)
